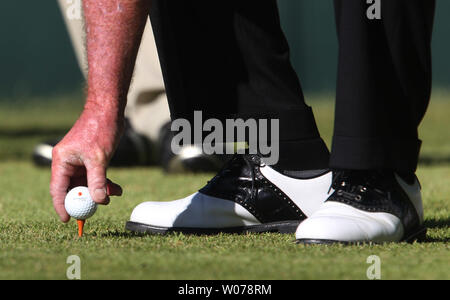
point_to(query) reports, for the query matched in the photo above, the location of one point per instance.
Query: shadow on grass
(121, 234)
(434, 160)
(430, 224)
(437, 224)
(32, 132)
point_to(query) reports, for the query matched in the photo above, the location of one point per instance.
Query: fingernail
(99, 195)
(107, 201)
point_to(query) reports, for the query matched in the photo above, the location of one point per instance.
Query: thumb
(96, 179)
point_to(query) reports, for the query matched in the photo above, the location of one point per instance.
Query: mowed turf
(35, 245)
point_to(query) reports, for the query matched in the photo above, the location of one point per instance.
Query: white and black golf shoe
(245, 196)
(367, 207)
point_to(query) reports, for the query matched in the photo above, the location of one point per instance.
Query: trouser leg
(230, 59)
(74, 23)
(147, 106)
(384, 84)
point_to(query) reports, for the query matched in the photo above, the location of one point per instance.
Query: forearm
(113, 33)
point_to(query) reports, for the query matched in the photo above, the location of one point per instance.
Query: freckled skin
(113, 32)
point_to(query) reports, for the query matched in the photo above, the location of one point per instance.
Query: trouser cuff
(363, 154)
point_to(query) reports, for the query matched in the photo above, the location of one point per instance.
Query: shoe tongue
(366, 178)
(241, 165)
(229, 180)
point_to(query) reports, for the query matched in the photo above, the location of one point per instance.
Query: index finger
(59, 185)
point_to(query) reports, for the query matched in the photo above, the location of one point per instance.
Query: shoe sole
(285, 227)
(420, 235)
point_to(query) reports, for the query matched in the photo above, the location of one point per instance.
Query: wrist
(109, 107)
(100, 124)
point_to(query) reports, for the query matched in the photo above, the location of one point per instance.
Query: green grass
(35, 245)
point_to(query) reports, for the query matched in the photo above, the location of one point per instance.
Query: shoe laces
(250, 160)
(354, 184)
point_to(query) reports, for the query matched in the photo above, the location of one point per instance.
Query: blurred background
(37, 58)
(41, 95)
(41, 86)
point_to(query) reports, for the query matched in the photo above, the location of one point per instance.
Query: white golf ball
(79, 203)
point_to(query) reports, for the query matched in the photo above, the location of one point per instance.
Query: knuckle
(100, 156)
(56, 152)
(97, 159)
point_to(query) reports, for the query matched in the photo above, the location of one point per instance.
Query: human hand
(82, 157)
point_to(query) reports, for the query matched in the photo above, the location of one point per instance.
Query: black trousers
(230, 59)
(384, 83)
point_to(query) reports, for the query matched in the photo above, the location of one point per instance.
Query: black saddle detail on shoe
(375, 191)
(242, 182)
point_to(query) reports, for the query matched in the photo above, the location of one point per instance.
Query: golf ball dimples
(79, 204)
